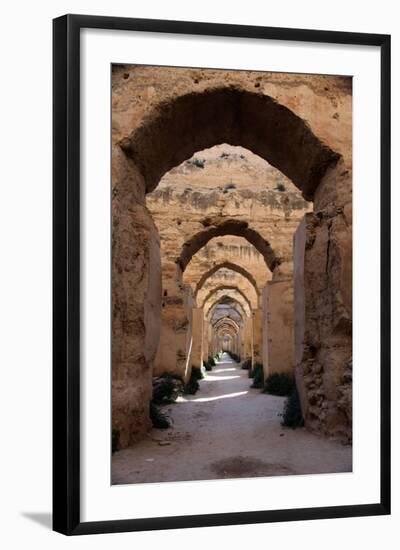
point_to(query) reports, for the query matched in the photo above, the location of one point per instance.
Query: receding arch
(227, 227)
(218, 310)
(228, 248)
(226, 321)
(173, 130)
(225, 295)
(226, 265)
(226, 288)
(239, 281)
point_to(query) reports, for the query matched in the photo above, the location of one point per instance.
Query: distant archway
(226, 265)
(227, 227)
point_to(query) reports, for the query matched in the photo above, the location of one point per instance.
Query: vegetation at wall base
(192, 386)
(115, 440)
(258, 376)
(279, 383)
(207, 366)
(211, 361)
(234, 356)
(246, 365)
(167, 388)
(292, 416)
(197, 373)
(159, 419)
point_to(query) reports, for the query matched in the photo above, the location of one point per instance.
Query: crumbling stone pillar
(248, 338)
(206, 330)
(323, 319)
(258, 318)
(136, 301)
(278, 327)
(173, 355)
(197, 337)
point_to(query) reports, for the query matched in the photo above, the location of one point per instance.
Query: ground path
(227, 430)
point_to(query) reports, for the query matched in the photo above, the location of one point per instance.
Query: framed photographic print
(221, 274)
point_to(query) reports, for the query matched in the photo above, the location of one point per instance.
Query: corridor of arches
(231, 270)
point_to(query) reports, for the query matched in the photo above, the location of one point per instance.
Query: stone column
(206, 329)
(257, 335)
(197, 337)
(299, 246)
(248, 338)
(323, 317)
(241, 342)
(136, 302)
(175, 344)
(278, 327)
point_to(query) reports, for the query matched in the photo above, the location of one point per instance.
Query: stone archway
(178, 127)
(218, 228)
(226, 265)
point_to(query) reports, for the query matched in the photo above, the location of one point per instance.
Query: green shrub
(115, 440)
(292, 416)
(193, 385)
(246, 365)
(258, 376)
(279, 384)
(207, 365)
(211, 361)
(166, 388)
(199, 163)
(229, 186)
(234, 356)
(159, 419)
(197, 373)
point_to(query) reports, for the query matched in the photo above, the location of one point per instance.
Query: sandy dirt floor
(227, 430)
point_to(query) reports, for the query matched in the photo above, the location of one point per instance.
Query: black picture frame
(66, 273)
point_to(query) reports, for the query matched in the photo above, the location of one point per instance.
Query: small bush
(211, 361)
(280, 187)
(166, 389)
(115, 440)
(292, 417)
(234, 356)
(199, 163)
(197, 373)
(193, 385)
(229, 186)
(207, 366)
(246, 365)
(258, 376)
(279, 384)
(159, 419)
